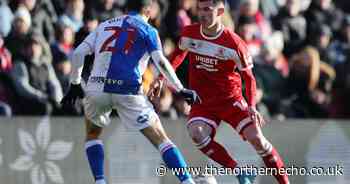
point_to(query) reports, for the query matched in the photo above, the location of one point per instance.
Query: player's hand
(155, 89)
(190, 96)
(75, 92)
(256, 116)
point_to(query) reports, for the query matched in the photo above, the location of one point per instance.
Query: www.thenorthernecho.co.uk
(292, 170)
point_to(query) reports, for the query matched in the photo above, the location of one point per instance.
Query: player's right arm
(165, 68)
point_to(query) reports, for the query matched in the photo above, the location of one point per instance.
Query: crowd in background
(301, 51)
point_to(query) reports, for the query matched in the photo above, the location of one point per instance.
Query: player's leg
(138, 113)
(95, 151)
(253, 134)
(236, 115)
(97, 108)
(203, 135)
(169, 152)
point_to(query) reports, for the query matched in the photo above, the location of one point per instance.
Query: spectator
(343, 4)
(49, 7)
(64, 44)
(341, 90)
(6, 18)
(183, 18)
(59, 6)
(271, 54)
(321, 40)
(35, 80)
(42, 21)
(106, 9)
(340, 46)
(155, 15)
(63, 68)
(260, 105)
(21, 27)
(6, 93)
(250, 8)
(271, 70)
(5, 58)
(73, 16)
(310, 81)
(90, 24)
(270, 7)
(247, 28)
(176, 17)
(293, 26)
(323, 12)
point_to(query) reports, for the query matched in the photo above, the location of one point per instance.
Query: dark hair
(216, 1)
(90, 15)
(219, 1)
(61, 58)
(32, 38)
(243, 20)
(137, 5)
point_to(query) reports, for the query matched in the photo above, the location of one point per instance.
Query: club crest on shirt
(193, 45)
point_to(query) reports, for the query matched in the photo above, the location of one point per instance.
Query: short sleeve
(153, 41)
(90, 40)
(245, 60)
(182, 43)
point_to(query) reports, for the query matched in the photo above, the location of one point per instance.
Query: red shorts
(235, 113)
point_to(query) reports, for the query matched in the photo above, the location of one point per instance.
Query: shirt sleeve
(245, 60)
(153, 41)
(90, 40)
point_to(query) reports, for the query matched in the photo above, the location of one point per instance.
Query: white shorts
(134, 110)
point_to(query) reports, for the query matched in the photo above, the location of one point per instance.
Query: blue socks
(95, 155)
(174, 159)
(171, 156)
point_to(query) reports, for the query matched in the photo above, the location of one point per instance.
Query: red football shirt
(214, 63)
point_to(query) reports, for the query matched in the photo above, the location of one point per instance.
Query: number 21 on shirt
(117, 31)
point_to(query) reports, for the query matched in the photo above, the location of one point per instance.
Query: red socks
(217, 153)
(274, 160)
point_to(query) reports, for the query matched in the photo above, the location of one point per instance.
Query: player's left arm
(250, 93)
(154, 46)
(78, 57)
(245, 67)
(166, 69)
(250, 86)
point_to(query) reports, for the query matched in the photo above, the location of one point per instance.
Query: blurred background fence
(51, 150)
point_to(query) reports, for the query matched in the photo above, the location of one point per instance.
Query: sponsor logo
(142, 119)
(207, 63)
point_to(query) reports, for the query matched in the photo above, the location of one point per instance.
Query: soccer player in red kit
(219, 60)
